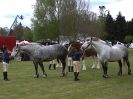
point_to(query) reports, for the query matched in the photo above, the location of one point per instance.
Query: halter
(89, 44)
(18, 47)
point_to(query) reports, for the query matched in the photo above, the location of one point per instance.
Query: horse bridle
(89, 44)
(18, 48)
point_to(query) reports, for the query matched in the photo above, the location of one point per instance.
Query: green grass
(22, 85)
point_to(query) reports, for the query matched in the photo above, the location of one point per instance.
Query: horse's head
(15, 50)
(88, 43)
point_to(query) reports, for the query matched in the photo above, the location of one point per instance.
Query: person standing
(6, 60)
(77, 54)
(70, 62)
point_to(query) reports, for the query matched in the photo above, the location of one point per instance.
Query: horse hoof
(63, 75)
(119, 74)
(36, 76)
(98, 67)
(105, 76)
(44, 76)
(129, 73)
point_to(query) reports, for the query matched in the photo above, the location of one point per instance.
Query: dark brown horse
(87, 53)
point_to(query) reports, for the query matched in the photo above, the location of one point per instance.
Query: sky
(114, 6)
(9, 9)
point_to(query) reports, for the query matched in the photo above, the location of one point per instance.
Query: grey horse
(107, 53)
(40, 53)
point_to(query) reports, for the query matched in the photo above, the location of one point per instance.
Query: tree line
(118, 29)
(72, 18)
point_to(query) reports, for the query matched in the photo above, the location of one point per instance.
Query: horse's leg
(128, 64)
(63, 67)
(58, 63)
(105, 69)
(98, 63)
(94, 62)
(36, 69)
(69, 64)
(83, 64)
(43, 70)
(120, 67)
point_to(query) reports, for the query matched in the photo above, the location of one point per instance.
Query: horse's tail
(124, 62)
(125, 58)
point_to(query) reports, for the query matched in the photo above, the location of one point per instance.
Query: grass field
(22, 85)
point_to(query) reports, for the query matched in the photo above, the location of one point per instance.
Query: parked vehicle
(9, 41)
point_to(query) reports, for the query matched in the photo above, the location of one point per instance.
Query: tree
(4, 31)
(68, 17)
(120, 28)
(50, 16)
(109, 27)
(130, 27)
(53, 18)
(44, 16)
(18, 32)
(128, 39)
(28, 34)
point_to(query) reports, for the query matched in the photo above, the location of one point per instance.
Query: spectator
(6, 60)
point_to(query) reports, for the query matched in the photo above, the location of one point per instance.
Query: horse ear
(91, 38)
(17, 44)
(95, 38)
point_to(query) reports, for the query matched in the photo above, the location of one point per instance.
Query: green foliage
(68, 15)
(128, 39)
(130, 27)
(28, 34)
(116, 29)
(3, 31)
(120, 28)
(63, 17)
(53, 18)
(109, 27)
(18, 32)
(45, 21)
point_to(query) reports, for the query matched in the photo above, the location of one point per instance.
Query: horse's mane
(99, 40)
(31, 43)
(105, 43)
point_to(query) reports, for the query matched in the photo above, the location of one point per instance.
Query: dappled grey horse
(106, 53)
(40, 53)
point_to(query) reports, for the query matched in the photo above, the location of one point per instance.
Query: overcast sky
(114, 6)
(9, 9)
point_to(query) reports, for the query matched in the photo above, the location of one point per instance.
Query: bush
(128, 39)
